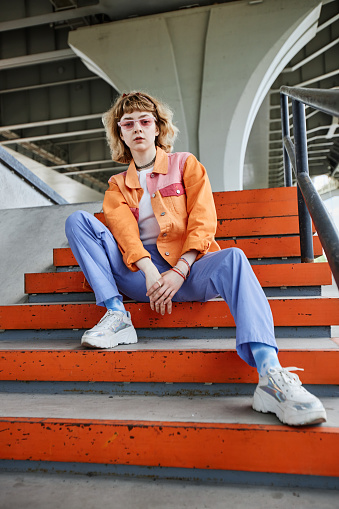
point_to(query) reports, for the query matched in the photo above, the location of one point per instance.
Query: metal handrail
(310, 205)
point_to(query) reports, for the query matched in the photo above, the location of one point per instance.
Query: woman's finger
(169, 307)
(154, 288)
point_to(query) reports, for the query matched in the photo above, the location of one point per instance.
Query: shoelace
(288, 376)
(109, 314)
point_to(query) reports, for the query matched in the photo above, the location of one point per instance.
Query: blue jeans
(226, 273)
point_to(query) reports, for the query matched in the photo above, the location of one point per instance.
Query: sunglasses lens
(127, 124)
(146, 122)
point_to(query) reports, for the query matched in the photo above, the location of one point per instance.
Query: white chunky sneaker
(281, 393)
(114, 328)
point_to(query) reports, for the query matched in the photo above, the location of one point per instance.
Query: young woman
(159, 248)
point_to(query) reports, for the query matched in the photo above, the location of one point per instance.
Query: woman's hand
(161, 296)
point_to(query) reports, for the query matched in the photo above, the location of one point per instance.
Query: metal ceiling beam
(65, 120)
(327, 23)
(53, 17)
(308, 82)
(81, 172)
(51, 136)
(83, 140)
(36, 58)
(51, 84)
(311, 57)
(87, 163)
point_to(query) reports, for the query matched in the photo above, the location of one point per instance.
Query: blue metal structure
(310, 204)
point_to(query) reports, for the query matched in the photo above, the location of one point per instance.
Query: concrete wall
(15, 192)
(255, 174)
(214, 66)
(28, 237)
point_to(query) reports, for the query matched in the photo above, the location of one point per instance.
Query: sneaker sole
(124, 337)
(300, 419)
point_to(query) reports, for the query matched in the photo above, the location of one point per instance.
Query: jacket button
(167, 253)
(153, 195)
(178, 191)
(152, 175)
(163, 213)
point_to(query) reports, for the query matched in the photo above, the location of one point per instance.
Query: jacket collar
(160, 166)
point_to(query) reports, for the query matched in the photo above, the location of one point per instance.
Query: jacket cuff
(200, 245)
(131, 257)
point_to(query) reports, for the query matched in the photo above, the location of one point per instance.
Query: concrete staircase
(178, 403)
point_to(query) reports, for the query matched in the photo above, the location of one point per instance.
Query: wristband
(178, 271)
(188, 265)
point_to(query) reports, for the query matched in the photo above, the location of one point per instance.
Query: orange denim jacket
(182, 203)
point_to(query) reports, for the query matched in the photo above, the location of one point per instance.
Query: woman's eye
(146, 122)
(129, 125)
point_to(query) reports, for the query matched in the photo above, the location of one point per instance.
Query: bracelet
(178, 271)
(188, 265)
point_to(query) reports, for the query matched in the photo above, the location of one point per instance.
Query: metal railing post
(300, 141)
(285, 125)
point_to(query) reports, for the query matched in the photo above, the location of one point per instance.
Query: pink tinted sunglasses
(143, 122)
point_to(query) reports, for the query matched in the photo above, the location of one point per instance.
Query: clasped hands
(162, 291)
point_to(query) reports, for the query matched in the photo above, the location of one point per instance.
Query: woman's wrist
(144, 263)
(183, 268)
(179, 272)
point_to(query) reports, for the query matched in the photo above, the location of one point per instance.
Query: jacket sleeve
(202, 216)
(123, 226)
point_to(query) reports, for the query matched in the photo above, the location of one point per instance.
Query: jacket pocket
(175, 195)
(173, 190)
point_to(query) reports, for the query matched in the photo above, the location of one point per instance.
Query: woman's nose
(137, 126)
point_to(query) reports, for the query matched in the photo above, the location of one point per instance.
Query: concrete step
(202, 433)
(255, 247)
(179, 362)
(215, 313)
(273, 275)
(69, 489)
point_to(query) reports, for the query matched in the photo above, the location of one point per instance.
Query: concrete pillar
(214, 65)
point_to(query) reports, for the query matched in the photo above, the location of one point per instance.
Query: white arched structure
(214, 66)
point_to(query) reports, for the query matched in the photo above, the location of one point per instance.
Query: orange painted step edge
(254, 226)
(297, 274)
(286, 312)
(243, 447)
(258, 226)
(226, 210)
(272, 247)
(259, 209)
(176, 366)
(267, 195)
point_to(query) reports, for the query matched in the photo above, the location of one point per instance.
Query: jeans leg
(229, 274)
(98, 255)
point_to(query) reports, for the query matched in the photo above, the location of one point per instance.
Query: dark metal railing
(310, 205)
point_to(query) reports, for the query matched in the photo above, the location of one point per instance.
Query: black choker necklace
(145, 165)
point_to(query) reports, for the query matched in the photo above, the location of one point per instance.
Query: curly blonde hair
(138, 101)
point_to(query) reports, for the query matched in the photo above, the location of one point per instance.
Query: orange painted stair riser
(286, 312)
(256, 448)
(298, 274)
(175, 366)
(251, 227)
(274, 247)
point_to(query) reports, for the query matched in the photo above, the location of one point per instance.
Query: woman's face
(140, 138)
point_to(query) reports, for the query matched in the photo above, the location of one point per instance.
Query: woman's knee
(236, 253)
(75, 220)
